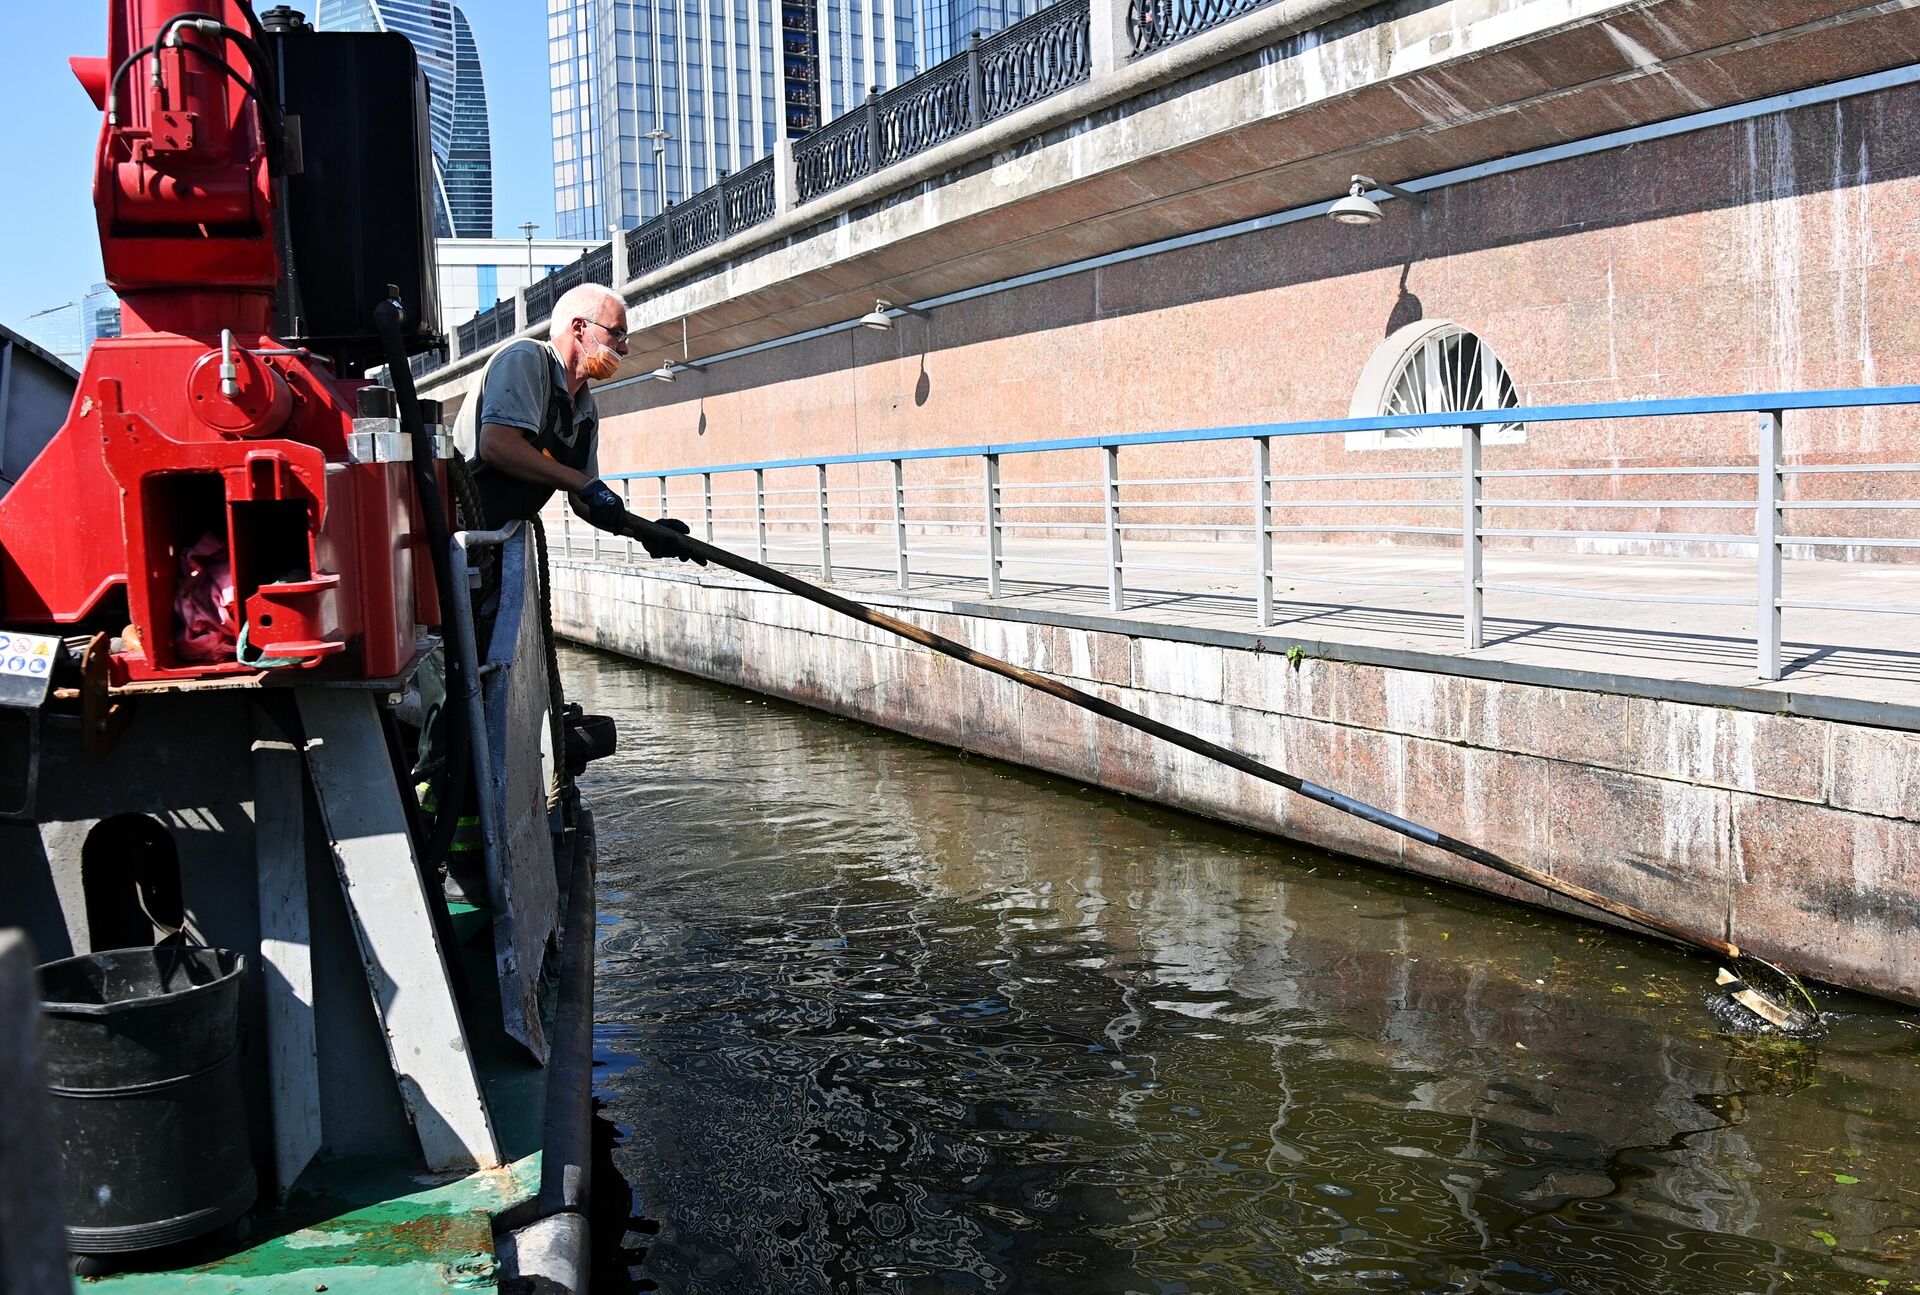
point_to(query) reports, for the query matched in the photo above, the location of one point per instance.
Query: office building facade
(477, 273)
(944, 26)
(654, 100)
(69, 331)
(457, 101)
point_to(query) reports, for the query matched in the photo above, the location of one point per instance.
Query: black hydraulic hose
(453, 791)
(265, 94)
(264, 91)
(253, 22)
(152, 46)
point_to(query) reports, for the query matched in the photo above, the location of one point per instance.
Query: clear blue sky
(52, 251)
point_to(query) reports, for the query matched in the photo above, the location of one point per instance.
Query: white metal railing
(788, 510)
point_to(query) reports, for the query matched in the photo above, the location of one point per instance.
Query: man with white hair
(531, 429)
(534, 428)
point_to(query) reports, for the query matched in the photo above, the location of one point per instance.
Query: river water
(874, 1016)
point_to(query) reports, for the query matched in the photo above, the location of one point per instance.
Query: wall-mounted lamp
(879, 318)
(1358, 209)
(669, 370)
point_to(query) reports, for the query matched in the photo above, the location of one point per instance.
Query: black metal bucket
(142, 1054)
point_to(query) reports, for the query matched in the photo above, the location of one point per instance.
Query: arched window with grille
(1432, 366)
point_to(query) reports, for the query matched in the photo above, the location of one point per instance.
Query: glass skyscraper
(654, 100)
(68, 331)
(457, 101)
(945, 25)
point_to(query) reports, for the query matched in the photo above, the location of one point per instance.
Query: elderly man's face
(608, 327)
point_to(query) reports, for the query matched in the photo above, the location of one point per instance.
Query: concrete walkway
(1859, 666)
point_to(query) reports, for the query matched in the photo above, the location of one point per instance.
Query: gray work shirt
(525, 387)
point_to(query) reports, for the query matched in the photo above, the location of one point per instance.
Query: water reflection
(879, 1018)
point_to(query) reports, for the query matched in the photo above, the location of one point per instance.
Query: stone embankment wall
(1797, 838)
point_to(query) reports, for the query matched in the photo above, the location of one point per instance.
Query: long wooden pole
(672, 541)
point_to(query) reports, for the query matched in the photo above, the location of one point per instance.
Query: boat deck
(378, 1225)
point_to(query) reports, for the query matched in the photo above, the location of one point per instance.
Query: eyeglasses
(615, 334)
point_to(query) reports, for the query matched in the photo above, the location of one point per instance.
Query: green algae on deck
(355, 1231)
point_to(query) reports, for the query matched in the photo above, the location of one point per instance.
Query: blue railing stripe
(1764, 402)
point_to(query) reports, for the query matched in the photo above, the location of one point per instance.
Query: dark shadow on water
(620, 1237)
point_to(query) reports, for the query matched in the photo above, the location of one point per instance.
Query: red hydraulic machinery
(226, 496)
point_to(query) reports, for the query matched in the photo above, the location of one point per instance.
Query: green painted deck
(360, 1227)
(383, 1226)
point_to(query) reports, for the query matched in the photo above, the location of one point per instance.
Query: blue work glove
(604, 510)
(659, 546)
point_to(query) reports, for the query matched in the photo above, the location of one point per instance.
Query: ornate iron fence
(594, 266)
(928, 110)
(1152, 24)
(838, 153)
(698, 222)
(484, 329)
(1038, 56)
(717, 211)
(648, 247)
(748, 196)
(540, 298)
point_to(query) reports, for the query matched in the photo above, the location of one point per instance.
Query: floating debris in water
(1743, 1007)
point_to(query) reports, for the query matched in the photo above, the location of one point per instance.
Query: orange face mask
(601, 362)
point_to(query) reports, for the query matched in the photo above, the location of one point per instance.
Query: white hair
(582, 301)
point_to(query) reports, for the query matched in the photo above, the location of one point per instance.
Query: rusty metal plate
(521, 879)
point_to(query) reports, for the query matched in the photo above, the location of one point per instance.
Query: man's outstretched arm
(508, 449)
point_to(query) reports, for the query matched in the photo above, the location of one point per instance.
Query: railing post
(663, 494)
(617, 243)
(1766, 533)
(1116, 583)
(760, 515)
(1262, 537)
(976, 83)
(1472, 545)
(566, 529)
(993, 525)
(519, 310)
(900, 523)
(873, 130)
(786, 185)
(706, 504)
(820, 509)
(1109, 44)
(626, 499)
